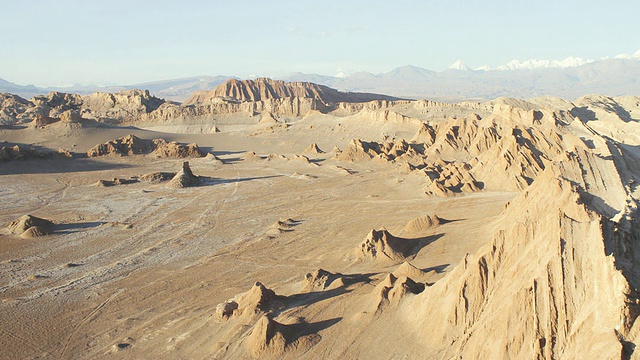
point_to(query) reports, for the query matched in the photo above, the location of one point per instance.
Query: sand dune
(422, 224)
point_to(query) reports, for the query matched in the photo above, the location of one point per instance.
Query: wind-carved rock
(184, 178)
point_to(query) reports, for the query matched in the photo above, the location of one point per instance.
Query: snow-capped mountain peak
(484, 68)
(635, 55)
(532, 64)
(459, 65)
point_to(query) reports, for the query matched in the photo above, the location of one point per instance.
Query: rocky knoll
(132, 145)
(28, 226)
(11, 107)
(121, 104)
(184, 178)
(18, 152)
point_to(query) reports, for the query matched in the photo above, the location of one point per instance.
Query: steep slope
(545, 281)
(616, 118)
(558, 279)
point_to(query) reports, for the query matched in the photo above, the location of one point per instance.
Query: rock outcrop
(184, 178)
(13, 108)
(321, 279)
(28, 226)
(128, 145)
(380, 245)
(133, 145)
(313, 149)
(271, 339)
(21, 152)
(17, 152)
(173, 149)
(258, 299)
(116, 182)
(264, 89)
(157, 177)
(43, 110)
(393, 289)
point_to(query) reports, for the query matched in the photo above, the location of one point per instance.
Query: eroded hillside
(321, 227)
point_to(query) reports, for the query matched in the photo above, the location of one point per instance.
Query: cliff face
(263, 89)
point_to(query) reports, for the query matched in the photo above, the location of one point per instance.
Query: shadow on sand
(76, 227)
(56, 166)
(208, 181)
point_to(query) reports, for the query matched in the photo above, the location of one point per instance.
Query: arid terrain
(310, 223)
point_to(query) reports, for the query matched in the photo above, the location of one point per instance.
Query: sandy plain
(138, 269)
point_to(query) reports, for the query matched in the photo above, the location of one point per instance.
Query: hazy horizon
(72, 42)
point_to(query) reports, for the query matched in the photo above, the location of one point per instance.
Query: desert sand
(263, 220)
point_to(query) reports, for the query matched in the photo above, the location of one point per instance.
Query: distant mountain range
(569, 78)
(173, 89)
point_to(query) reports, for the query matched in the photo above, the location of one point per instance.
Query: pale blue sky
(63, 42)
